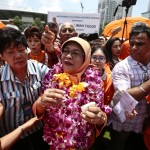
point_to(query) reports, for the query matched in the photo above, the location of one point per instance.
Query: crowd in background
(35, 70)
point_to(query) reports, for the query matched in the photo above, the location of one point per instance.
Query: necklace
(64, 128)
(64, 80)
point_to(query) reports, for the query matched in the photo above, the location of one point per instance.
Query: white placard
(83, 22)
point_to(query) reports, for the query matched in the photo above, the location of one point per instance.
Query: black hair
(83, 36)
(34, 31)
(142, 28)
(108, 49)
(10, 36)
(94, 49)
(31, 31)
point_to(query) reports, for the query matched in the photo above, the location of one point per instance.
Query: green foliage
(37, 22)
(18, 22)
(102, 29)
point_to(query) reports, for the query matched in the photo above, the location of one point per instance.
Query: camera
(128, 3)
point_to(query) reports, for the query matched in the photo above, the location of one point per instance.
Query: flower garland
(64, 80)
(64, 128)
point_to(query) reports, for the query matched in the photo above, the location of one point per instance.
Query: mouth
(68, 36)
(118, 52)
(33, 49)
(19, 62)
(67, 63)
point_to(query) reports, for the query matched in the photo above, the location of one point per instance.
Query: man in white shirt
(132, 75)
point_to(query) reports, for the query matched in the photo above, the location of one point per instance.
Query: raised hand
(48, 38)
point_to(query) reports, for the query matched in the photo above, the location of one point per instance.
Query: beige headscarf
(76, 77)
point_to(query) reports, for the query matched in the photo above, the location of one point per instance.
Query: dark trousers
(31, 142)
(110, 139)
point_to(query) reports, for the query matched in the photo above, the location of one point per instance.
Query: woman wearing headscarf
(72, 105)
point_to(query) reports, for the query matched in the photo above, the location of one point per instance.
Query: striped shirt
(15, 94)
(127, 74)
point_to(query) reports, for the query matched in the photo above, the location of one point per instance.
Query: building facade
(107, 8)
(147, 14)
(27, 17)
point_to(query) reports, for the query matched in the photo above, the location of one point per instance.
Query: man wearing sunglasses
(132, 77)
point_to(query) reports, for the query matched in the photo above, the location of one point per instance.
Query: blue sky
(90, 6)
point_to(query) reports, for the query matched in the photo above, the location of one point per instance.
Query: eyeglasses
(70, 30)
(99, 58)
(72, 53)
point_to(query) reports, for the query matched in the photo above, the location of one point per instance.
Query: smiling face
(72, 57)
(16, 57)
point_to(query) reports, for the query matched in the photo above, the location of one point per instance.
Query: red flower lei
(64, 128)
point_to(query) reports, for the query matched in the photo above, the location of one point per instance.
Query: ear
(2, 57)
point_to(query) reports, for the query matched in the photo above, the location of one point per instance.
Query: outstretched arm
(8, 140)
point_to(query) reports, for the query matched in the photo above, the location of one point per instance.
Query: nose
(32, 43)
(118, 47)
(67, 32)
(134, 47)
(97, 60)
(69, 55)
(17, 54)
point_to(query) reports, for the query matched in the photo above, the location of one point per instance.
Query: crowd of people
(64, 91)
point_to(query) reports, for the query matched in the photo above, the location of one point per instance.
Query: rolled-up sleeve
(121, 77)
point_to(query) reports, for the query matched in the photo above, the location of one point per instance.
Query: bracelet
(21, 128)
(143, 90)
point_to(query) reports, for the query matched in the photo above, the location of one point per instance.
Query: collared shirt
(127, 74)
(15, 94)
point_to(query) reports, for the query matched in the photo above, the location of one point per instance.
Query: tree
(18, 22)
(37, 22)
